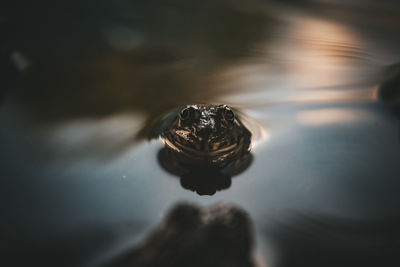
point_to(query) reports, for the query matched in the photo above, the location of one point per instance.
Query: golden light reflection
(324, 53)
(331, 95)
(315, 61)
(374, 93)
(330, 116)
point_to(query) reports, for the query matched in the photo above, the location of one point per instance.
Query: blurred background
(83, 83)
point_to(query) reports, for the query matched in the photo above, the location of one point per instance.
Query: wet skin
(207, 135)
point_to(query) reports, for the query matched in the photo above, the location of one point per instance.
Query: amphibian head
(207, 134)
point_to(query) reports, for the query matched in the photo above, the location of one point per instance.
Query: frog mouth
(208, 151)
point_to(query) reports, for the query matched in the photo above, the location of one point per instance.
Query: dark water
(86, 80)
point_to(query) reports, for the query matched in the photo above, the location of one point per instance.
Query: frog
(210, 135)
(205, 145)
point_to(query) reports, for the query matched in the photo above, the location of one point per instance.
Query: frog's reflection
(204, 180)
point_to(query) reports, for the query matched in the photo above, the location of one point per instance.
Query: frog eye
(226, 114)
(189, 114)
(184, 115)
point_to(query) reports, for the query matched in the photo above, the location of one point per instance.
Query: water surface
(79, 173)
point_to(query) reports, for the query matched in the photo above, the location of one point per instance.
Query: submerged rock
(191, 236)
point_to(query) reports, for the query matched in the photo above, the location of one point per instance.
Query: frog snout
(204, 136)
(205, 132)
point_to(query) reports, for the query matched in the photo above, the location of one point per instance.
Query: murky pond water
(80, 178)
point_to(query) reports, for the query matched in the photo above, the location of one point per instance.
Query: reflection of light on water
(257, 141)
(330, 95)
(323, 53)
(96, 135)
(330, 116)
(311, 60)
(258, 131)
(375, 93)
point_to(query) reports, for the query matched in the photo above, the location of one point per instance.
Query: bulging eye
(184, 115)
(228, 115)
(189, 114)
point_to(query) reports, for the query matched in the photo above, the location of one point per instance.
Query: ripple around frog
(210, 174)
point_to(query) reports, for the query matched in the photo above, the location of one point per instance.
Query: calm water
(87, 80)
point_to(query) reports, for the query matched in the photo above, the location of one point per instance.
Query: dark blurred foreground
(219, 236)
(222, 236)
